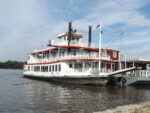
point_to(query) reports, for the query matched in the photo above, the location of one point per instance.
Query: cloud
(111, 12)
(126, 13)
(21, 13)
(25, 24)
(19, 18)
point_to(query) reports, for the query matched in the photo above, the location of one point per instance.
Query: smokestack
(90, 36)
(69, 32)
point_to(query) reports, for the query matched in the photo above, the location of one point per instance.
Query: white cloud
(111, 12)
(137, 38)
(126, 12)
(18, 19)
(21, 13)
(28, 23)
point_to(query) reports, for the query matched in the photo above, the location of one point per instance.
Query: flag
(42, 45)
(97, 26)
(49, 42)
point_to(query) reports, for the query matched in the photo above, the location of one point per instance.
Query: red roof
(93, 49)
(74, 35)
(54, 48)
(69, 60)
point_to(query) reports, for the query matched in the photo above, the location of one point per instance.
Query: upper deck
(69, 48)
(70, 53)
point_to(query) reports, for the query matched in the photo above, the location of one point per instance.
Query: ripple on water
(22, 95)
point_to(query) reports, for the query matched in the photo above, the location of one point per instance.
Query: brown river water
(22, 95)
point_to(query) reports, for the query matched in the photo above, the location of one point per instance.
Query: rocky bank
(133, 108)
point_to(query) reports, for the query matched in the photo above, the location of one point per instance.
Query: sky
(26, 24)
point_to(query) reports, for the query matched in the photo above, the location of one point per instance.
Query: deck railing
(65, 57)
(141, 73)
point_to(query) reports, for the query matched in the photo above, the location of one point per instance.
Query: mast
(125, 60)
(42, 51)
(100, 45)
(120, 64)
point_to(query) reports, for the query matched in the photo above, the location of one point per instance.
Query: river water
(22, 95)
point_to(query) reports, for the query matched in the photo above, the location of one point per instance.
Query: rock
(135, 108)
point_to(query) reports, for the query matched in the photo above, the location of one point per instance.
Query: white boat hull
(86, 80)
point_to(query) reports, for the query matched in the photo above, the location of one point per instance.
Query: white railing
(65, 57)
(141, 73)
(61, 43)
(73, 57)
(90, 70)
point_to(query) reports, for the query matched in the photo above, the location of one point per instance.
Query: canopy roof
(66, 34)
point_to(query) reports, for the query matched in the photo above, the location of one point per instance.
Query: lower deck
(70, 68)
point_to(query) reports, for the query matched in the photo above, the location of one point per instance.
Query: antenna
(119, 32)
(42, 46)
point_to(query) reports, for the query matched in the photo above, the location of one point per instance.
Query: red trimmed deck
(93, 49)
(68, 60)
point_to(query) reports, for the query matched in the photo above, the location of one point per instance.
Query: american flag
(49, 42)
(97, 26)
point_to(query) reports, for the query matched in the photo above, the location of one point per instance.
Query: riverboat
(71, 61)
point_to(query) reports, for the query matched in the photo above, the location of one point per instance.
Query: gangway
(115, 73)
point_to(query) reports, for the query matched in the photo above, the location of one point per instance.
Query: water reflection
(78, 98)
(22, 95)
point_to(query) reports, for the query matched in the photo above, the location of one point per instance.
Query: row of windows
(36, 68)
(44, 68)
(51, 68)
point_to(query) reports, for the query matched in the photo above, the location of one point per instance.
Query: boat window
(76, 66)
(50, 68)
(55, 67)
(28, 68)
(36, 68)
(59, 67)
(70, 65)
(103, 65)
(44, 68)
(114, 54)
(113, 66)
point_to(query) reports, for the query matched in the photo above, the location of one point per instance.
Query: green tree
(12, 65)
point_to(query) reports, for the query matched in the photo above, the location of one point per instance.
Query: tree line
(11, 65)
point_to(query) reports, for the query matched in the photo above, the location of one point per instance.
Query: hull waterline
(73, 80)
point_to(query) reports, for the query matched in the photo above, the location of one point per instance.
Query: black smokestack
(90, 36)
(69, 32)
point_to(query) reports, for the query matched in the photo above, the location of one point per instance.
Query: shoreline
(131, 108)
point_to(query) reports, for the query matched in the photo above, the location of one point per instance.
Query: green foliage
(11, 65)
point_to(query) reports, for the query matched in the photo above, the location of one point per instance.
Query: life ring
(124, 80)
